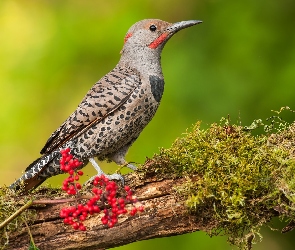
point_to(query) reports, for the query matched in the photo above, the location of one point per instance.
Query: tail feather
(32, 164)
(34, 174)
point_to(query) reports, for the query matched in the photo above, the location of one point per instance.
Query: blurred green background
(240, 61)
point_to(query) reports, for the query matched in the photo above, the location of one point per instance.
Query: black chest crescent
(157, 87)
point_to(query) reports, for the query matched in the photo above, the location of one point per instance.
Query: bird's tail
(37, 172)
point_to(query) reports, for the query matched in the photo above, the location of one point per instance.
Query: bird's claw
(114, 176)
(128, 165)
(131, 166)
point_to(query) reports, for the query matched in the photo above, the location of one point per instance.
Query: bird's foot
(131, 166)
(114, 176)
(128, 165)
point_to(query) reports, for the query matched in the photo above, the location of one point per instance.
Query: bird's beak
(170, 31)
(175, 27)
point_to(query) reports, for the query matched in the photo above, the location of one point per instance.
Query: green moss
(9, 204)
(235, 180)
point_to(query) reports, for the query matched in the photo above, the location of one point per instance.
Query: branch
(218, 179)
(164, 216)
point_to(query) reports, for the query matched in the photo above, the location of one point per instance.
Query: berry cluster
(69, 165)
(105, 197)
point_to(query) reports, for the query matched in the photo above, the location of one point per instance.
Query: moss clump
(235, 180)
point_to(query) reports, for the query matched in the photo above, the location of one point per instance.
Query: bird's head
(153, 33)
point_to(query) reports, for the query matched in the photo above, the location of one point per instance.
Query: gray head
(154, 33)
(145, 40)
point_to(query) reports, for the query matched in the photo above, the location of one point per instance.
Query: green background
(240, 61)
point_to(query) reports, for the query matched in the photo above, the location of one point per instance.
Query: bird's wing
(104, 97)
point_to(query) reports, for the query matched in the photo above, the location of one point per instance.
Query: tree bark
(164, 215)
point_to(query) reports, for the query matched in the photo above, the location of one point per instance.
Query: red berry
(104, 220)
(70, 157)
(111, 224)
(96, 209)
(66, 168)
(75, 214)
(97, 178)
(77, 163)
(113, 193)
(63, 214)
(82, 227)
(75, 225)
(115, 210)
(90, 203)
(80, 207)
(121, 201)
(95, 190)
(82, 217)
(128, 197)
(70, 179)
(133, 211)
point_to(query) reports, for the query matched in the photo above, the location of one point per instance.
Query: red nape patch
(158, 41)
(127, 36)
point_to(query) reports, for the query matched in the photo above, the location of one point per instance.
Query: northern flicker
(115, 110)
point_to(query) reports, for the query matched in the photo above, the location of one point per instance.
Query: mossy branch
(217, 179)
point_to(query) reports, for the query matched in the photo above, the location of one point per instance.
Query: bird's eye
(153, 27)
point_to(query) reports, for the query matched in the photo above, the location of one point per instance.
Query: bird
(115, 110)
